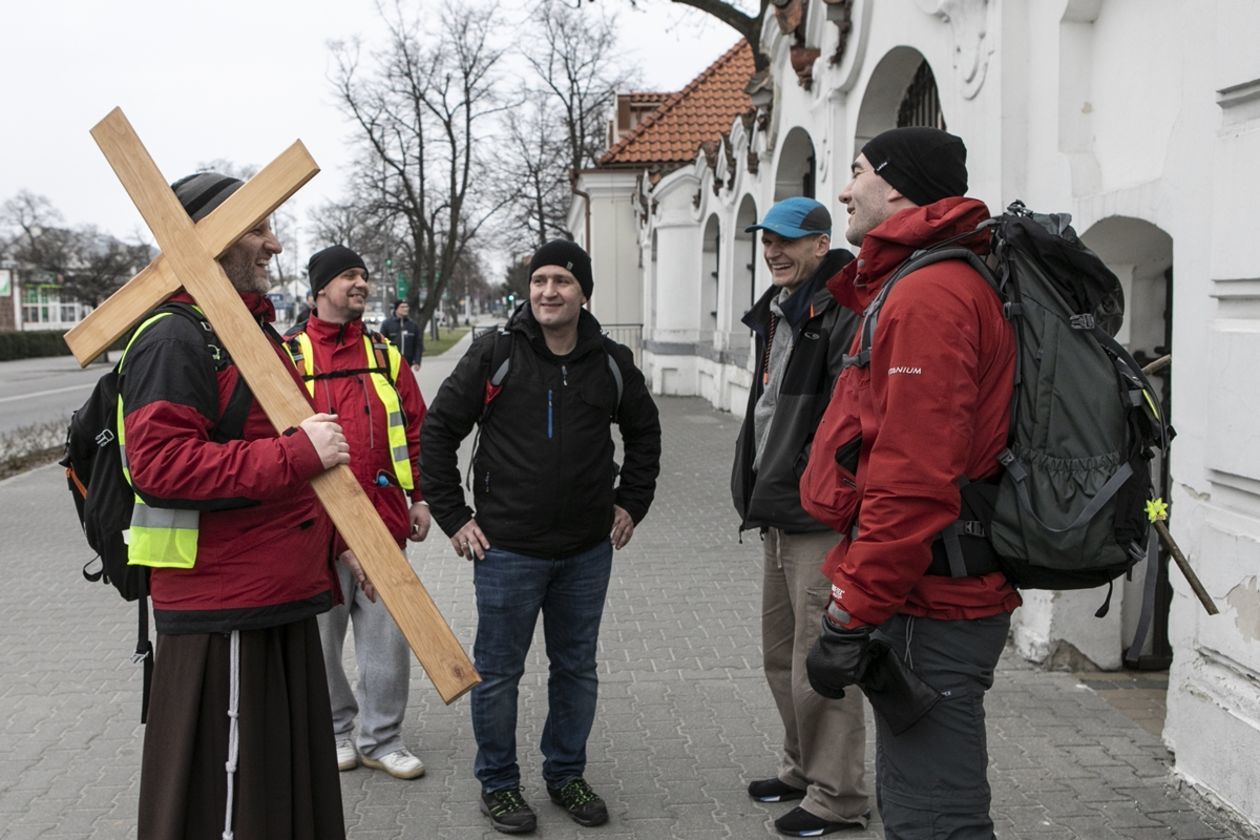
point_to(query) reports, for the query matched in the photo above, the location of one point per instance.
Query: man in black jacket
(404, 334)
(550, 509)
(801, 337)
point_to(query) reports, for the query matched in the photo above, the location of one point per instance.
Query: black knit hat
(203, 191)
(923, 164)
(328, 263)
(568, 255)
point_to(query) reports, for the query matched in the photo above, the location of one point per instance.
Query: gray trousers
(824, 741)
(931, 781)
(384, 663)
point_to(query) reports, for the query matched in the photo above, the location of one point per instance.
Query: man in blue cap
(801, 336)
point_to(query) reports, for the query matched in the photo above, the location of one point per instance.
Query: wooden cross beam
(188, 259)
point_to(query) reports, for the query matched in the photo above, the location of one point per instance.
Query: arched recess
(796, 174)
(1141, 255)
(711, 251)
(901, 92)
(743, 271)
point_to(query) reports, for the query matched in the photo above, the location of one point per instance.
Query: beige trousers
(824, 741)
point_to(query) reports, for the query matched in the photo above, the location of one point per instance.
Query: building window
(42, 306)
(921, 104)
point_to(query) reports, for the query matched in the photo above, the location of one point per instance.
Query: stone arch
(797, 166)
(1141, 255)
(901, 91)
(744, 269)
(710, 275)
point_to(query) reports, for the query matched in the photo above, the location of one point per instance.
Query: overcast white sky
(231, 79)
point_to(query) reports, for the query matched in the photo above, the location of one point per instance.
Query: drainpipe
(573, 182)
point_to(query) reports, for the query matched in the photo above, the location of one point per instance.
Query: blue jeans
(511, 590)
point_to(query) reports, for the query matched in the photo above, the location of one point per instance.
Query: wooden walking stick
(1157, 512)
(189, 259)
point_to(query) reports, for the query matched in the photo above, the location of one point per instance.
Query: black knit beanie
(568, 255)
(328, 263)
(203, 191)
(923, 164)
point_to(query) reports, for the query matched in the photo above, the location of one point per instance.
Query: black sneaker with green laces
(508, 811)
(582, 803)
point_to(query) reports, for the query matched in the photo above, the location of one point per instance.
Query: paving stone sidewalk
(685, 717)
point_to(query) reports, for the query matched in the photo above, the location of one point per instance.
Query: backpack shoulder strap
(500, 367)
(614, 367)
(916, 261)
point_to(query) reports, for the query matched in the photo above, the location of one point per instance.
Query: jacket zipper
(550, 417)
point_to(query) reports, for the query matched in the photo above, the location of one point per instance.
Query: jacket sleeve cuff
(302, 454)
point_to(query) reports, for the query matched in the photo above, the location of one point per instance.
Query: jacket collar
(590, 334)
(892, 242)
(351, 331)
(258, 304)
(811, 299)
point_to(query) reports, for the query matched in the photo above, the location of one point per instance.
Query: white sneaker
(400, 764)
(347, 755)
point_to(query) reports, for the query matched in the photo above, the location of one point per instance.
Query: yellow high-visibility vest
(300, 350)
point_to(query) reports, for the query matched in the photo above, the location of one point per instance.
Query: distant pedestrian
(801, 336)
(924, 414)
(404, 334)
(551, 507)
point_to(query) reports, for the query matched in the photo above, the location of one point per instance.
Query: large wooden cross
(189, 254)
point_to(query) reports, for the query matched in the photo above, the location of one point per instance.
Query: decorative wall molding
(969, 22)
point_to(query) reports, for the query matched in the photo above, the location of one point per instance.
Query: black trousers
(931, 781)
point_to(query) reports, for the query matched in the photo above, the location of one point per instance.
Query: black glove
(839, 658)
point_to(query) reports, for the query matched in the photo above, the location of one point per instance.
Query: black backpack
(1069, 509)
(501, 365)
(102, 497)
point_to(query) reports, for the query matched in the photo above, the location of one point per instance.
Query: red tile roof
(701, 111)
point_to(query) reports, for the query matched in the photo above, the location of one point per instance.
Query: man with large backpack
(359, 376)
(922, 412)
(239, 552)
(801, 338)
(551, 506)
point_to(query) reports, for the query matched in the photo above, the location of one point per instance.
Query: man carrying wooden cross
(240, 552)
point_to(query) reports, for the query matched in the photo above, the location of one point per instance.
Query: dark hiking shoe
(774, 790)
(508, 811)
(801, 823)
(582, 803)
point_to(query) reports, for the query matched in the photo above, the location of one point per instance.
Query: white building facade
(1139, 117)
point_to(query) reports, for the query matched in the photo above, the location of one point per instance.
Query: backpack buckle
(1012, 310)
(1083, 321)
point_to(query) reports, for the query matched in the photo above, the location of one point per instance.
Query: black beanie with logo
(923, 164)
(569, 256)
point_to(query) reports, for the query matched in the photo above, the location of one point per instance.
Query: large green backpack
(1070, 508)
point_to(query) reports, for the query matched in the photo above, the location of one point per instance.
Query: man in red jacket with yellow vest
(924, 414)
(380, 406)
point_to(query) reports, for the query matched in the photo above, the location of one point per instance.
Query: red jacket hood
(258, 304)
(897, 237)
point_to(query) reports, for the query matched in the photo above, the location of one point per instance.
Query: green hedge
(30, 345)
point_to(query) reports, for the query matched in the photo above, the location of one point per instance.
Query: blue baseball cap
(794, 218)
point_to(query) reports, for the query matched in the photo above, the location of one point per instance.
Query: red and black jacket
(264, 551)
(933, 406)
